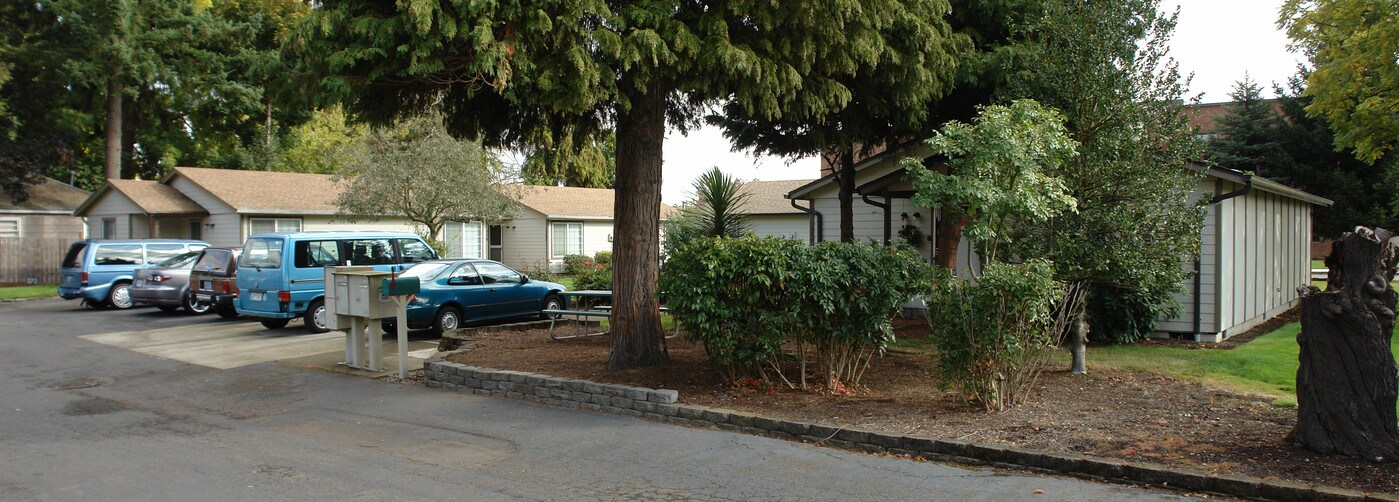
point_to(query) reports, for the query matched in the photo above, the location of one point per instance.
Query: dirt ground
(1134, 416)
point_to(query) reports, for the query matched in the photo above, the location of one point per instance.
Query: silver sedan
(165, 285)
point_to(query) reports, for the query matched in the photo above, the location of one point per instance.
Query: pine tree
(1247, 131)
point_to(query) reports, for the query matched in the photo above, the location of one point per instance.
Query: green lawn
(1265, 366)
(24, 292)
(1318, 264)
(566, 281)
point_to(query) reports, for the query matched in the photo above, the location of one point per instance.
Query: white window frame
(19, 227)
(554, 231)
(276, 224)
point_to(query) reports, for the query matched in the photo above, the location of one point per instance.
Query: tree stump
(1347, 384)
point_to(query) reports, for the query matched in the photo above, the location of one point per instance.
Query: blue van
(100, 272)
(281, 276)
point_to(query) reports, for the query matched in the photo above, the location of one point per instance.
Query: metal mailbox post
(356, 299)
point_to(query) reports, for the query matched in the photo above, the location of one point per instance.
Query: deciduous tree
(1354, 83)
(505, 71)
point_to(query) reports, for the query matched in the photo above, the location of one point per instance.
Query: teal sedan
(457, 292)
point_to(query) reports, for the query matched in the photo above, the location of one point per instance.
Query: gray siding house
(1254, 252)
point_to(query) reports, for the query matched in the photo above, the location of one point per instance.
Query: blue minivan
(281, 276)
(100, 271)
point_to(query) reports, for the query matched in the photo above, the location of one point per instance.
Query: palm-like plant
(719, 200)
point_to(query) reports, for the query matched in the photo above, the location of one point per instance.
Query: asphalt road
(83, 420)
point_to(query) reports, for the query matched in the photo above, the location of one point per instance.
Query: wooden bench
(602, 311)
(578, 316)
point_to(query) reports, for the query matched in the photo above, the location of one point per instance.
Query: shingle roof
(770, 197)
(156, 198)
(266, 191)
(47, 195)
(565, 202)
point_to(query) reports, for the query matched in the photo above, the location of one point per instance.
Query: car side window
(311, 254)
(157, 253)
(118, 254)
(372, 252)
(414, 251)
(495, 273)
(465, 275)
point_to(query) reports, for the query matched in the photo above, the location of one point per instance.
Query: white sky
(1217, 40)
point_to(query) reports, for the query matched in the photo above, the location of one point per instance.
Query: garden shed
(1255, 239)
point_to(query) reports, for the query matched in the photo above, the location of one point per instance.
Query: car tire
(315, 317)
(120, 296)
(195, 307)
(227, 312)
(447, 319)
(275, 323)
(552, 302)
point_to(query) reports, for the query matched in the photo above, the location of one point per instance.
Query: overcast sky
(1217, 40)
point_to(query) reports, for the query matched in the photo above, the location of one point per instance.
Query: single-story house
(1254, 253)
(47, 212)
(771, 213)
(224, 206)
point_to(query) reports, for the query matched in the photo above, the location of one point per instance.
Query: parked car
(166, 284)
(281, 276)
(100, 272)
(213, 281)
(455, 292)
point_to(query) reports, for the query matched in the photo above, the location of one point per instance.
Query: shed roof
(47, 195)
(770, 197)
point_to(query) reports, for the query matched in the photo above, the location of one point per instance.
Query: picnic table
(584, 305)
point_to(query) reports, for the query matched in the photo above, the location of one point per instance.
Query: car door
(464, 286)
(509, 295)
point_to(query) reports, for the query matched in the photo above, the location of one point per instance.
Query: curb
(660, 405)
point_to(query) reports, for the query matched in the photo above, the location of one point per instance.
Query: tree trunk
(112, 164)
(949, 237)
(637, 339)
(1346, 386)
(1078, 345)
(845, 178)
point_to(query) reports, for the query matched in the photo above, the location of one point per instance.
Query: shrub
(540, 271)
(589, 274)
(1124, 315)
(571, 262)
(994, 334)
(603, 257)
(731, 295)
(775, 308)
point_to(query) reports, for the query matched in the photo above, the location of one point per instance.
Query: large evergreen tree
(504, 71)
(1247, 140)
(1105, 66)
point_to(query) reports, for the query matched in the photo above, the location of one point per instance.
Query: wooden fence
(31, 260)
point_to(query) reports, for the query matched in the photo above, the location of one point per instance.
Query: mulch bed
(1133, 416)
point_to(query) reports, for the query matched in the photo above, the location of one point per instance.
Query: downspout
(813, 224)
(888, 234)
(1248, 187)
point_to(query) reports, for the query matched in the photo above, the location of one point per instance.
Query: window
(264, 225)
(9, 227)
(76, 252)
(118, 254)
(495, 273)
(262, 252)
(568, 239)
(372, 252)
(109, 228)
(463, 239)
(312, 254)
(465, 275)
(156, 253)
(413, 251)
(214, 261)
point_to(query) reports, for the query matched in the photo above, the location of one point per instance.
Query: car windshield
(179, 260)
(262, 252)
(426, 271)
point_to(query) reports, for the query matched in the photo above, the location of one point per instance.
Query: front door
(497, 244)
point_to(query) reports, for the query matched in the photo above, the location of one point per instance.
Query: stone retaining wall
(659, 405)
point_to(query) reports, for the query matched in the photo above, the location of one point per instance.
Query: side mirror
(524, 279)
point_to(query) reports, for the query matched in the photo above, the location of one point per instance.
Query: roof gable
(151, 197)
(770, 197)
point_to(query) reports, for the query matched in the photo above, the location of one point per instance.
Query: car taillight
(225, 287)
(84, 278)
(160, 278)
(284, 296)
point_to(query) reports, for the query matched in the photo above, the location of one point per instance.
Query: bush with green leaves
(994, 334)
(774, 308)
(732, 295)
(603, 257)
(1126, 315)
(590, 274)
(540, 272)
(571, 262)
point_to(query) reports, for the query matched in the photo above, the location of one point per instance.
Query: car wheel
(315, 317)
(227, 312)
(195, 307)
(552, 302)
(448, 319)
(275, 323)
(120, 297)
(168, 308)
